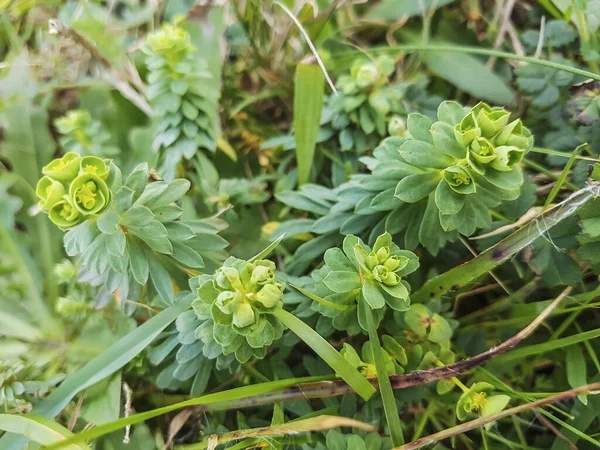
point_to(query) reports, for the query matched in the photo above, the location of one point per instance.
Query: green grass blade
(111, 360)
(308, 104)
(548, 346)
(38, 429)
(329, 354)
(349, 55)
(563, 177)
(214, 402)
(385, 387)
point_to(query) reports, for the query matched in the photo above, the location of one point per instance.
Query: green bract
(74, 189)
(365, 362)
(63, 169)
(237, 303)
(89, 194)
(477, 400)
(49, 192)
(180, 93)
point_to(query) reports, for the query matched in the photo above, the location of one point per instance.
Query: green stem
(548, 173)
(385, 387)
(394, 49)
(329, 354)
(506, 248)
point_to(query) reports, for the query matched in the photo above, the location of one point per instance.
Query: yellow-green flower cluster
(73, 188)
(244, 293)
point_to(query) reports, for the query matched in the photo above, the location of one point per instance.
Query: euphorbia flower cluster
(73, 189)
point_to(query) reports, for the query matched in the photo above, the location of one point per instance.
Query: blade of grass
(214, 402)
(329, 354)
(308, 103)
(549, 346)
(506, 248)
(385, 387)
(38, 429)
(548, 151)
(111, 360)
(563, 177)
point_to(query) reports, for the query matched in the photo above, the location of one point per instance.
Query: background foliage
(228, 224)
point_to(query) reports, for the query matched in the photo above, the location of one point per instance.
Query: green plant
(176, 91)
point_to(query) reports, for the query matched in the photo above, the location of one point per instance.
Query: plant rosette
(237, 303)
(376, 274)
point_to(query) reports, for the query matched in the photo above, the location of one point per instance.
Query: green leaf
(424, 155)
(160, 280)
(392, 10)
(267, 251)
(576, 369)
(372, 294)
(342, 281)
(330, 355)
(309, 88)
(470, 75)
(415, 187)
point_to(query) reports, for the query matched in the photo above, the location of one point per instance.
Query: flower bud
(507, 158)
(64, 214)
(262, 275)
(467, 130)
(94, 165)
(49, 192)
(393, 263)
(371, 261)
(73, 120)
(63, 169)
(65, 271)
(514, 134)
(459, 180)
(89, 194)
(366, 75)
(383, 254)
(392, 279)
(380, 273)
(397, 127)
(227, 277)
(227, 301)
(243, 315)
(490, 120)
(269, 295)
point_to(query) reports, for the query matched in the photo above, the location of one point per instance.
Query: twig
(482, 421)
(503, 28)
(540, 43)
(556, 431)
(128, 410)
